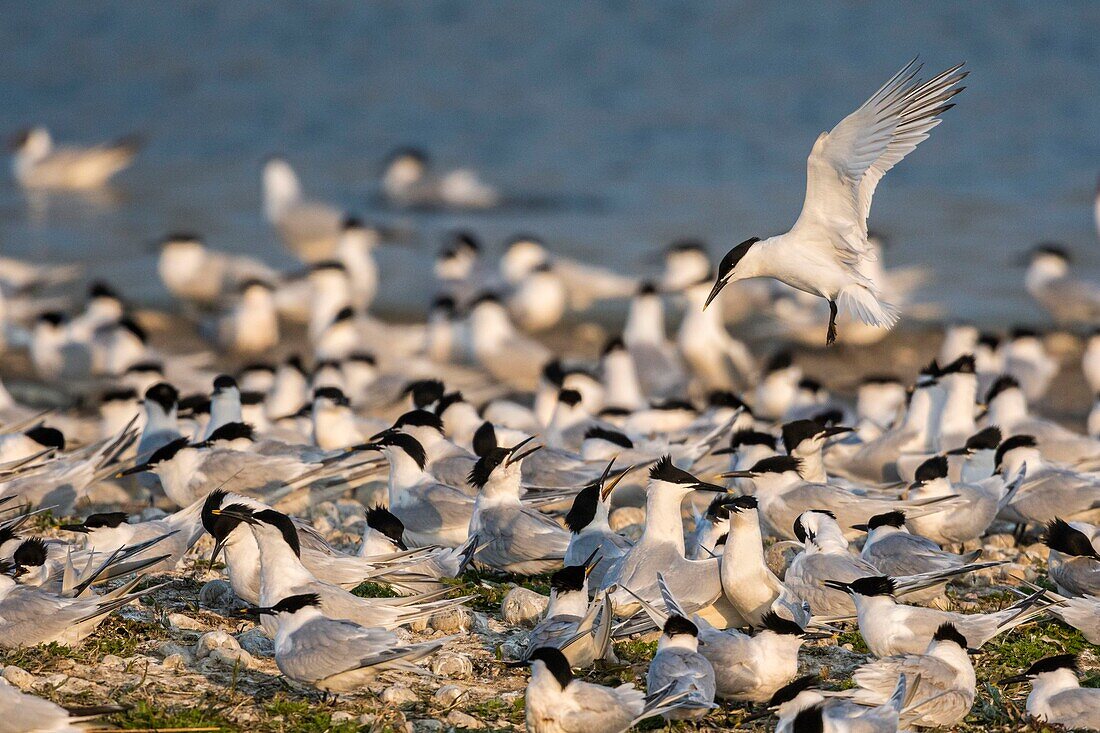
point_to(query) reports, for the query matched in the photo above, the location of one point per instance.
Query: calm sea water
(627, 123)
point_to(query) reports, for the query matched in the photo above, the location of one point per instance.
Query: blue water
(630, 123)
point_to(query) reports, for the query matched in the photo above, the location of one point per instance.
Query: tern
(409, 181)
(335, 655)
(1074, 560)
(1049, 491)
(826, 251)
(308, 228)
(980, 501)
(893, 550)
(201, 276)
(680, 667)
(1057, 696)
(25, 713)
(580, 628)
(37, 163)
(591, 535)
(1066, 298)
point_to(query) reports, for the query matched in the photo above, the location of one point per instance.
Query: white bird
(580, 628)
(409, 181)
(37, 164)
(25, 713)
(556, 702)
(590, 532)
(1008, 410)
(335, 655)
(252, 326)
(1056, 694)
(977, 502)
(310, 229)
(198, 275)
(1066, 298)
(826, 251)
(1074, 560)
(1048, 491)
(680, 667)
(108, 532)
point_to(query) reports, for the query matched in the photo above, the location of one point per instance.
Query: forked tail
(861, 301)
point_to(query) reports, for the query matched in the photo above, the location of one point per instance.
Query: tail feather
(867, 307)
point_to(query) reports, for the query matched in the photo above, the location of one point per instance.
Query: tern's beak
(379, 435)
(252, 612)
(517, 663)
(836, 585)
(74, 528)
(372, 445)
(836, 430)
(219, 545)
(1014, 679)
(737, 474)
(609, 486)
(514, 458)
(242, 516)
(816, 635)
(139, 468)
(860, 527)
(718, 285)
(957, 452)
(591, 562)
(704, 486)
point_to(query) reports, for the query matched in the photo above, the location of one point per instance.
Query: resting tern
(110, 531)
(656, 359)
(805, 440)
(828, 243)
(558, 703)
(580, 628)
(1056, 694)
(38, 164)
(894, 551)
(383, 537)
(1048, 491)
(679, 666)
(942, 677)
(978, 502)
(712, 528)
(308, 228)
(889, 627)
(198, 275)
(715, 358)
(508, 355)
(880, 399)
(1008, 410)
(25, 713)
(446, 461)
(1074, 560)
(802, 709)
(513, 538)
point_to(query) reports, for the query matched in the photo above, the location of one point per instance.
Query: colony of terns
(491, 450)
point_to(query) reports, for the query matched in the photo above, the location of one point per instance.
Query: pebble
(172, 649)
(626, 516)
(427, 726)
(256, 643)
(1000, 540)
(231, 657)
(451, 620)
(180, 621)
(19, 677)
(341, 716)
(218, 594)
(459, 719)
(398, 695)
(523, 607)
(446, 695)
(112, 660)
(212, 640)
(452, 665)
(1038, 551)
(173, 661)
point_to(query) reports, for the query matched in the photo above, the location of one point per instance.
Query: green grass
(489, 589)
(145, 715)
(116, 635)
(304, 716)
(374, 590)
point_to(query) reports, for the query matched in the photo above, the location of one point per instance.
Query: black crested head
(932, 469)
(351, 221)
(284, 524)
(381, 519)
(125, 394)
(963, 365)
(129, 324)
(751, 437)
(809, 720)
(779, 361)
(1004, 383)
(555, 662)
(1053, 249)
(887, 519)
(810, 385)
(583, 511)
(183, 237)
(294, 361)
(611, 436)
(168, 451)
(828, 417)
(880, 379)
(793, 689)
(425, 392)
(253, 398)
(777, 464)
(485, 439)
(195, 404)
(47, 437)
(451, 398)
(332, 394)
(665, 470)
(146, 367)
(673, 404)
(224, 382)
(1066, 539)
(948, 632)
(419, 419)
(678, 625)
(569, 397)
(30, 553)
(1023, 332)
(483, 469)
(105, 519)
(483, 299)
(732, 258)
(794, 433)
(444, 303)
(1053, 664)
(554, 372)
(296, 603)
(681, 246)
(345, 314)
(1011, 444)
(613, 344)
(719, 509)
(407, 443)
(231, 431)
(741, 503)
(7, 534)
(875, 585)
(775, 623)
(989, 340)
(569, 579)
(323, 265)
(804, 533)
(217, 525)
(259, 367)
(985, 439)
(613, 411)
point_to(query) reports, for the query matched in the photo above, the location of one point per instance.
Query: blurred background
(610, 127)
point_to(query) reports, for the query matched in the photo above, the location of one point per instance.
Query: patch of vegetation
(304, 716)
(494, 709)
(116, 635)
(854, 638)
(374, 590)
(489, 589)
(145, 715)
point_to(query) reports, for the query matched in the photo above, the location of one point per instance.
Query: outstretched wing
(847, 163)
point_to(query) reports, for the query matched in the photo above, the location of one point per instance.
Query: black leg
(830, 338)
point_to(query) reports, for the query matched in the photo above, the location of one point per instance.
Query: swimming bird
(826, 251)
(308, 228)
(409, 181)
(37, 163)
(1056, 694)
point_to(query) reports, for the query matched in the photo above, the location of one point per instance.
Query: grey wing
(686, 670)
(247, 472)
(327, 647)
(523, 535)
(552, 632)
(1077, 709)
(435, 506)
(595, 707)
(910, 556)
(28, 615)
